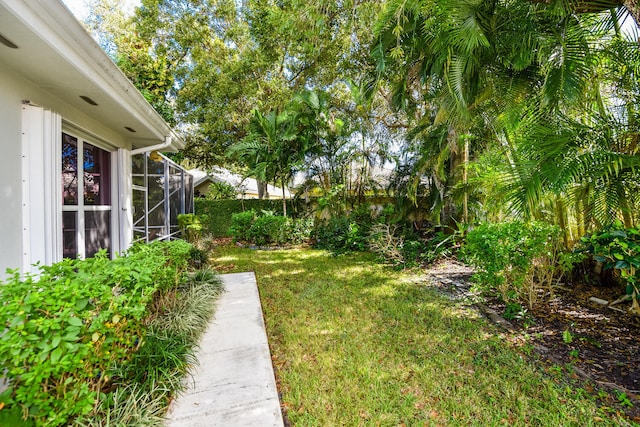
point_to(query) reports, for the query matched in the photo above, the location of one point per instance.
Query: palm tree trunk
(454, 161)
(284, 200)
(561, 213)
(262, 189)
(465, 200)
(634, 9)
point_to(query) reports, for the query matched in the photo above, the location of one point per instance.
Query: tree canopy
(488, 108)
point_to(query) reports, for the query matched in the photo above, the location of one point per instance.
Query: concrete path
(234, 384)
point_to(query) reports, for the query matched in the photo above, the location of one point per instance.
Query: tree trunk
(465, 179)
(449, 207)
(284, 200)
(634, 9)
(561, 213)
(262, 189)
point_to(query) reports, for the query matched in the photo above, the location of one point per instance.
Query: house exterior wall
(27, 222)
(10, 173)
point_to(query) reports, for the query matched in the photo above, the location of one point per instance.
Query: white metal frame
(167, 230)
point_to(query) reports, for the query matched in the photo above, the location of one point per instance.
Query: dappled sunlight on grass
(225, 259)
(381, 291)
(357, 343)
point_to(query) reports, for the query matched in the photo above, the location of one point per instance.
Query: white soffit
(56, 53)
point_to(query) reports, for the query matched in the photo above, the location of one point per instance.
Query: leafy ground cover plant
(357, 343)
(67, 328)
(618, 248)
(144, 387)
(515, 258)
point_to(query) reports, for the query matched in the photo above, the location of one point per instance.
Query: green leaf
(618, 256)
(621, 265)
(82, 303)
(618, 233)
(56, 355)
(74, 321)
(56, 341)
(71, 335)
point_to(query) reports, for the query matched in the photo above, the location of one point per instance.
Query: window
(86, 195)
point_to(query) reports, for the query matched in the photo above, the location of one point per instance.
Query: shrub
(339, 234)
(67, 327)
(221, 191)
(241, 223)
(618, 248)
(191, 226)
(144, 386)
(516, 258)
(300, 230)
(269, 228)
(345, 233)
(216, 215)
(441, 244)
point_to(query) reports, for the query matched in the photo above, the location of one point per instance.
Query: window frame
(81, 208)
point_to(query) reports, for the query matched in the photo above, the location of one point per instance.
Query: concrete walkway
(234, 384)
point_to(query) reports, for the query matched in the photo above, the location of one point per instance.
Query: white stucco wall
(10, 172)
(13, 90)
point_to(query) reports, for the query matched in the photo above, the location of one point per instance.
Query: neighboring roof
(56, 52)
(243, 185)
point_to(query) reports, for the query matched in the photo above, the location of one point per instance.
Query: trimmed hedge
(215, 215)
(267, 228)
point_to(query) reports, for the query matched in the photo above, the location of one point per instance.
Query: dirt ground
(596, 345)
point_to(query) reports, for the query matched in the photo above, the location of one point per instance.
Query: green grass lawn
(356, 343)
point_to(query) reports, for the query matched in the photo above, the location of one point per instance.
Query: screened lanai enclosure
(161, 191)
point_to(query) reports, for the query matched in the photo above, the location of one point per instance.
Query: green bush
(618, 248)
(65, 328)
(191, 226)
(143, 387)
(514, 258)
(215, 215)
(300, 231)
(241, 224)
(269, 228)
(339, 234)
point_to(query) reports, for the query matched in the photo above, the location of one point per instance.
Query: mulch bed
(594, 344)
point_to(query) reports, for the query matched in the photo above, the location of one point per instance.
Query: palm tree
(528, 71)
(271, 150)
(454, 74)
(324, 134)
